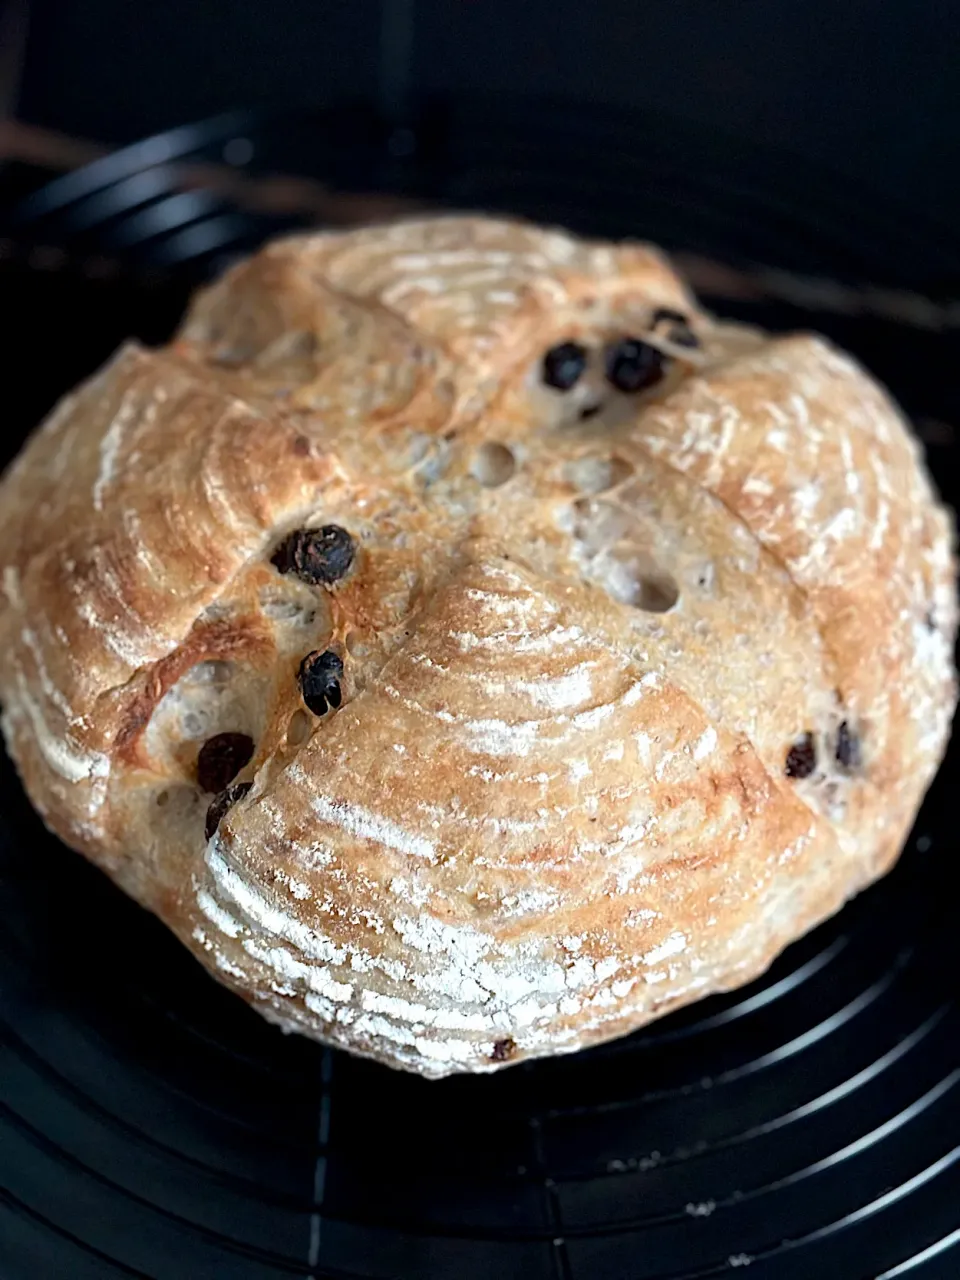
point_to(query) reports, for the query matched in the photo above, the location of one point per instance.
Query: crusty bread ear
(469, 648)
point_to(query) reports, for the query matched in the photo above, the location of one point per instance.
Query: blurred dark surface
(868, 88)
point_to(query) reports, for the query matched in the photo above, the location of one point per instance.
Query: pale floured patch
(366, 825)
(58, 749)
(673, 945)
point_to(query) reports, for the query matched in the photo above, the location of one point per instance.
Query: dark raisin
(316, 555)
(848, 747)
(503, 1049)
(633, 365)
(677, 327)
(563, 365)
(319, 677)
(222, 804)
(221, 758)
(801, 758)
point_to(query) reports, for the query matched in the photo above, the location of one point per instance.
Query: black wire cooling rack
(805, 1127)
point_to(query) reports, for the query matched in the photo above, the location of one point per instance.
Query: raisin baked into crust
(467, 646)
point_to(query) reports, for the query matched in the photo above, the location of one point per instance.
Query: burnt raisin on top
(801, 758)
(503, 1049)
(221, 758)
(564, 365)
(676, 326)
(633, 365)
(318, 556)
(847, 749)
(222, 804)
(319, 676)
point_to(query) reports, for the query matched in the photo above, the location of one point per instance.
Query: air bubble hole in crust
(633, 580)
(597, 474)
(493, 465)
(604, 545)
(280, 607)
(298, 730)
(657, 593)
(213, 671)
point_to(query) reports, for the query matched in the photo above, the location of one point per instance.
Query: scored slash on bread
(470, 648)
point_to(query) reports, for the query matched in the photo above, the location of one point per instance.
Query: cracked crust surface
(581, 633)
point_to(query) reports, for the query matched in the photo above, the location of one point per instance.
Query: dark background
(867, 88)
(151, 1125)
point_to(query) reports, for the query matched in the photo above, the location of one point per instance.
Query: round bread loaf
(467, 646)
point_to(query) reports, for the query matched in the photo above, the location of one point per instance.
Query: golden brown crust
(580, 634)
